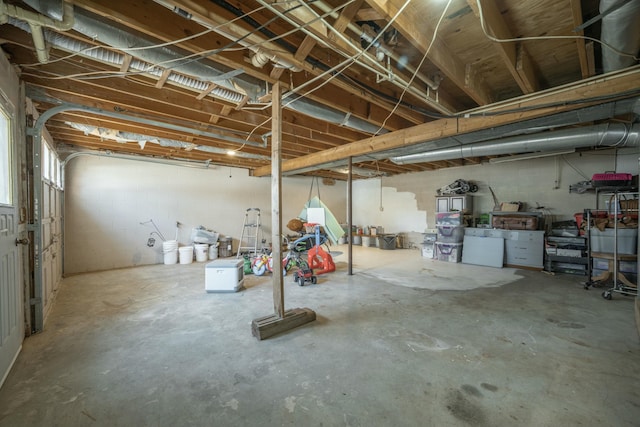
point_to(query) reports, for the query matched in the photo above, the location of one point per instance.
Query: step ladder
(251, 235)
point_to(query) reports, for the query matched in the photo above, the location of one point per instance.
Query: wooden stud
(163, 78)
(207, 91)
(576, 13)
(126, 63)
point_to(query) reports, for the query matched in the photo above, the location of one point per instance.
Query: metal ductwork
(620, 30)
(608, 135)
(36, 22)
(124, 137)
(192, 74)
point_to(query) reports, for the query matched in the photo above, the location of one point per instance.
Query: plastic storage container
(450, 233)
(226, 247)
(449, 218)
(428, 250)
(449, 252)
(602, 241)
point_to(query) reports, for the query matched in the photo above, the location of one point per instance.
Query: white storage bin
(450, 233)
(428, 250)
(602, 241)
(450, 252)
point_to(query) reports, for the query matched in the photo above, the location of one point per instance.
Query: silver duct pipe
(621, 30)
(608, 135)
(195, 72)
(260, 57)
(175, 162)
(36, 22)
(124, 137)
(112, 36)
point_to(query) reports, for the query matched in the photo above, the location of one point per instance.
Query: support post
(280, 321)
(276, 197)
(350, 215)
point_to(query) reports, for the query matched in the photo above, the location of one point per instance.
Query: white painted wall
(106, 199)
(409, 199)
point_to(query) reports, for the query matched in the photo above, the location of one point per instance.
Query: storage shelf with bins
(613, 246)
(567, 255)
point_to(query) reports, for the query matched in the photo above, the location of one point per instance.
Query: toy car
(304, 275)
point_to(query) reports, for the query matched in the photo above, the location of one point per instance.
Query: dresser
(522, 248)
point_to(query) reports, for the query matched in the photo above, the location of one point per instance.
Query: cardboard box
(509, 207)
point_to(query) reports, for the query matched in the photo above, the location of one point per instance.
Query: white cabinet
(522, 248)
(457, 202)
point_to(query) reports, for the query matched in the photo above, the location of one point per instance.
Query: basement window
(5, 159)
(51, 166)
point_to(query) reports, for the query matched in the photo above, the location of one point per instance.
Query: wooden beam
(420, 34)
(525, 70)
(166, 27)
(438, 129)
(242, 103)
(268, 326)
(163, 78)
(207, 91)
(514, 56)
(309, 42)
(576, 13)
(276, 197)
(126, 63)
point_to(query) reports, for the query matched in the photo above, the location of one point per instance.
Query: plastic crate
(449, 252)
(450, 233)
(611, 179)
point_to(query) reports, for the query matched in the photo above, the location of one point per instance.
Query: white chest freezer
(224, 275)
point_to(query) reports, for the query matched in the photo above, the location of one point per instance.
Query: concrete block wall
(536, 182)
(106, 199)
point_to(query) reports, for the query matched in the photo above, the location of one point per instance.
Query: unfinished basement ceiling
(190, 79)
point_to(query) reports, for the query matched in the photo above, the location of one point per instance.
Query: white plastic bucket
(186, 254)
(213, 251)
(169, 245)
(170, 251)
(171, 257)
(201, 251)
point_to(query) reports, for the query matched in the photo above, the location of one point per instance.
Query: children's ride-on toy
(303, 275)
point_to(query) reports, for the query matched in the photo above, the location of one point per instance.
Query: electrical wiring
(424, 57)
(536, 38)
(169, 43)
(344, 64)
(189, 58)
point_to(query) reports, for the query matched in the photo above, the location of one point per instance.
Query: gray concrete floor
(409, 342)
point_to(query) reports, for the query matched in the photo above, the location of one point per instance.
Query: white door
(11, 309)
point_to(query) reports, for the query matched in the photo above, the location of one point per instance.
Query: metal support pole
(350, 215)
